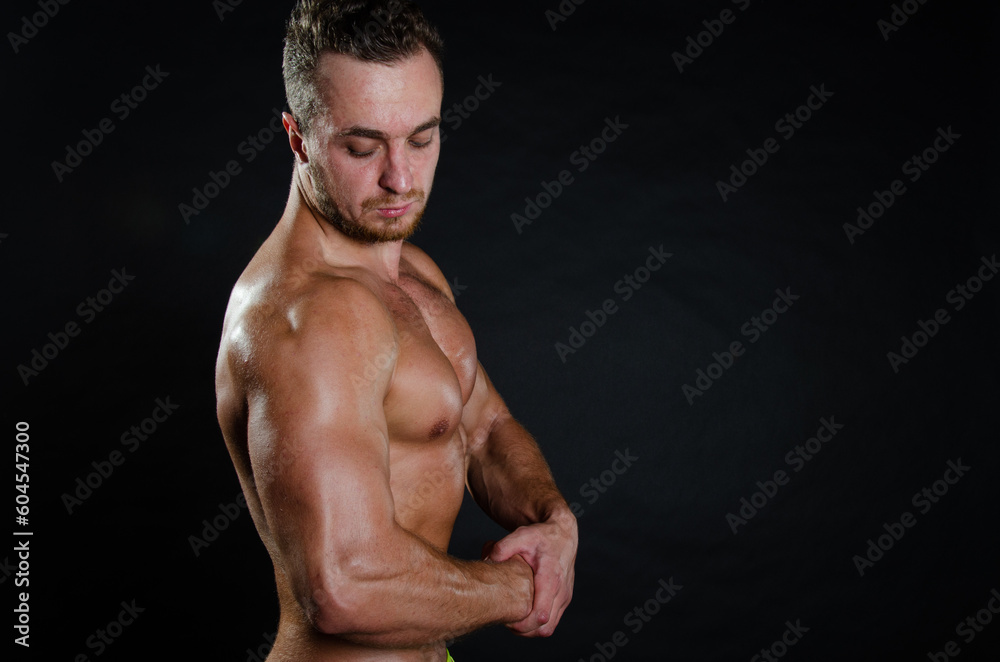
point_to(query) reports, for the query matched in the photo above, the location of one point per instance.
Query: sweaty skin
(355, 409)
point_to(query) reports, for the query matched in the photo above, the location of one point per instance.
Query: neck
(310, 236)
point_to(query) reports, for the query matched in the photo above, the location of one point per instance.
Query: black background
(666, 516)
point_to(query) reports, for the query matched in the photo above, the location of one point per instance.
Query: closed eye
(360, 155)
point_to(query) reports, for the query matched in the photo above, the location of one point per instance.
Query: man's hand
(549, 547)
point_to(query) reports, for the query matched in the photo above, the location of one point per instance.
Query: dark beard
(391, 230)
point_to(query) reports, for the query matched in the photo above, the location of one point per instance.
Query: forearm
(410, 594)
(511, 481)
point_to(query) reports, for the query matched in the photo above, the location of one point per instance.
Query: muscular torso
(434, 370)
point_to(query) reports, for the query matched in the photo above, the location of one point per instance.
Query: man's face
(374, 147)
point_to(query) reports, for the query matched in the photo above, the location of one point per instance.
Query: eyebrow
(375, 134)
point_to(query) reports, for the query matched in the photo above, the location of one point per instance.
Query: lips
(393, 212)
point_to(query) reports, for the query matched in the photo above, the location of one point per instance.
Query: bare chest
(435, 367)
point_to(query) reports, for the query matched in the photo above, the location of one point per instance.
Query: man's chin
(383, 230)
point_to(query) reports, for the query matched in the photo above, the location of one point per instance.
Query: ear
(295, 139)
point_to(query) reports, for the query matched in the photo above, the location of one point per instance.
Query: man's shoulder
(319, 319)
(340, 294)
(332, 309)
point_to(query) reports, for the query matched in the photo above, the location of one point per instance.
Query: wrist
(521, 587)
(559, 513)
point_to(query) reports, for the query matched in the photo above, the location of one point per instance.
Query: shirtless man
(349, 391)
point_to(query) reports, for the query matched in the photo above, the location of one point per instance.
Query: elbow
(337, 604)
(331, 607)
(327, 612)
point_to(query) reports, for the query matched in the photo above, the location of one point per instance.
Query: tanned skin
(356, 411)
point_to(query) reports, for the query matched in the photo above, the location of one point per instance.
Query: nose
(397, 175)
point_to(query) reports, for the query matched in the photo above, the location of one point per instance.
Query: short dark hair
(385, 31)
